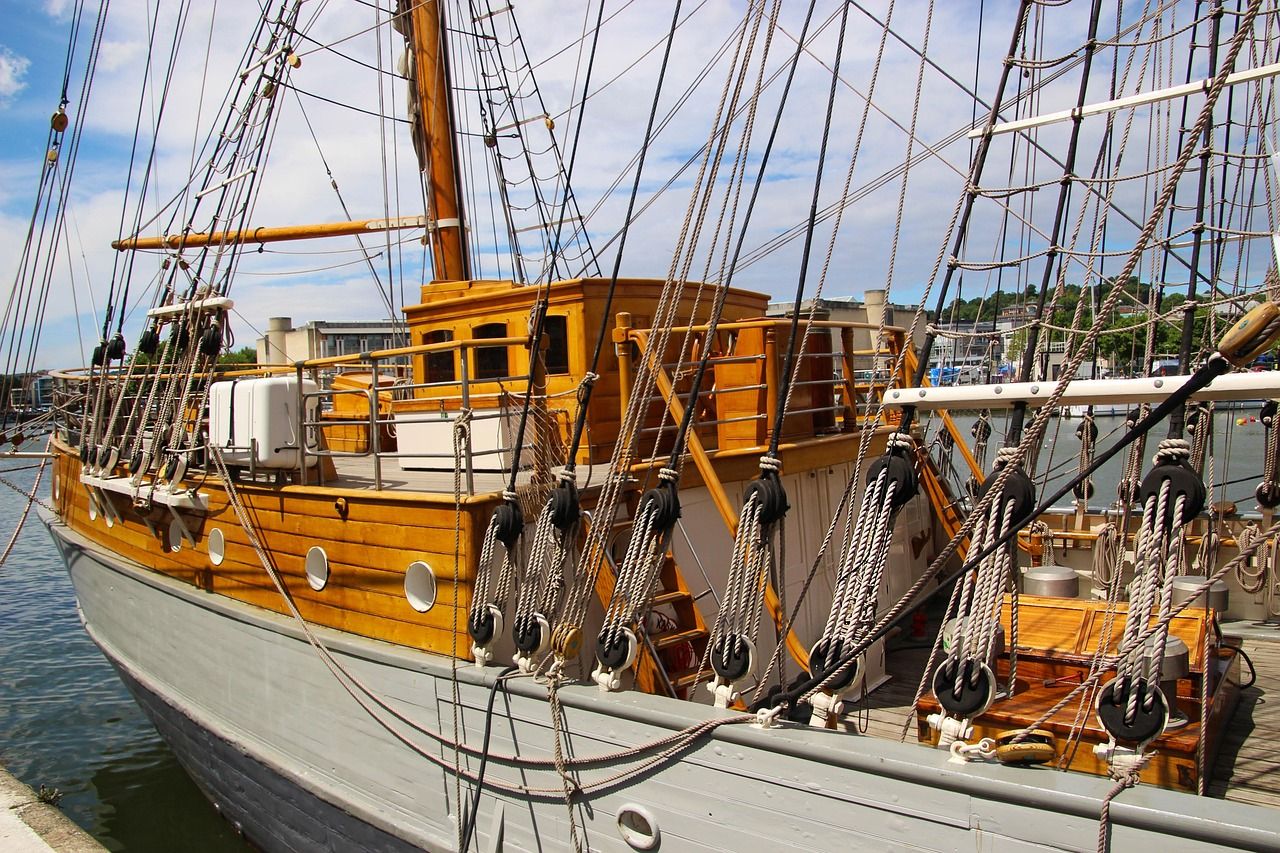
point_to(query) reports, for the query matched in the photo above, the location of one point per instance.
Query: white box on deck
(492, 439)
(255, 421)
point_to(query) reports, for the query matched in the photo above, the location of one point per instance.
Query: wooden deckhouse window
(557, 352)
(440, 365)
(491, 362)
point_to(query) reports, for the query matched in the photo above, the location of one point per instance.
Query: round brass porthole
(317, 568)
(420, 586)
(217, 546)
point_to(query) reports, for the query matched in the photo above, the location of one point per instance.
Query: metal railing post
(466, 405)
(302, 427)
(375, 443)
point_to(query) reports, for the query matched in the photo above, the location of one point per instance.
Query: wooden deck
(1248, 765)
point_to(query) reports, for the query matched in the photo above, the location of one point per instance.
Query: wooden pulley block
(1252, 334)
(566, 641)
(1036, 747)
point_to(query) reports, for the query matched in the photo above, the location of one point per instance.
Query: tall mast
(438, 154)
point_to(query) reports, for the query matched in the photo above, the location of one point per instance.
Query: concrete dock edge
(30, 826)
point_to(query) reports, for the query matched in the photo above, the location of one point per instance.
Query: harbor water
(66, 722)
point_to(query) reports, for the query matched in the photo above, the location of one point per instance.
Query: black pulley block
(898, 469)
(115, 349)
(770, 495)
(1133, 417)
(613, 648)
(565, 508)
(180, 336)
(527, 633)
(508, 522)
(99, 354)
(1083, 491)
(1268, 494)
(1268, 413)
(826, 656)
(664, 500)
(1147, 722)
(211, 341)
(481, 626)
(1183, 480)
(731, 657)
(1092, 427)
(135, 463)
(1017, 486)
(84, 453)
(974, 693)
(149, 342)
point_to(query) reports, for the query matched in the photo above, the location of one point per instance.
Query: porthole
(638, 827)
(420, 586)
(217, 546)
(317, 568)
(175, 536)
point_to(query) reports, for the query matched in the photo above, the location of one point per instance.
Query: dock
(28, 825)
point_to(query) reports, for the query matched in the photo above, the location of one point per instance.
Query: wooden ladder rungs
(688, 677)
(666, 641)
(672, 596)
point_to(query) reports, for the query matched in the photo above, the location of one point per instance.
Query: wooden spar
(270, 235)
(446, 234)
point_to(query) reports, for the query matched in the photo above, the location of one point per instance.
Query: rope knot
(900, 441)
(668, 475)
(769, 462)
(1172, 450)
(509, 495)
(1006, 455)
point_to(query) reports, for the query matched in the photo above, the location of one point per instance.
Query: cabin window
(491, 362)
(440, 364)
(556, 330)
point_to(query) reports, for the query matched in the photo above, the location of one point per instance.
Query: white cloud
(13, 71)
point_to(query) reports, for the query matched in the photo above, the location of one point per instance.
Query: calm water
(1237, 453)
(67, 722)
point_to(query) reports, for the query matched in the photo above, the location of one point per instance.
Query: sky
(374, 166)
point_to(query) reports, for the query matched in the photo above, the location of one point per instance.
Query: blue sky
(329, 281)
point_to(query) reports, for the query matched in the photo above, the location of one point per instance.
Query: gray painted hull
(297, 763)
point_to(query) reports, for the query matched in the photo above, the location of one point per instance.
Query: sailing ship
(626, 563)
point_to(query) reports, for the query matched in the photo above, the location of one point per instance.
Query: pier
(28, 825)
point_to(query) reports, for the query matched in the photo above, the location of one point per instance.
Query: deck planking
(1248, 766)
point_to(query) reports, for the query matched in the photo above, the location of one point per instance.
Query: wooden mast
(445, 230)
